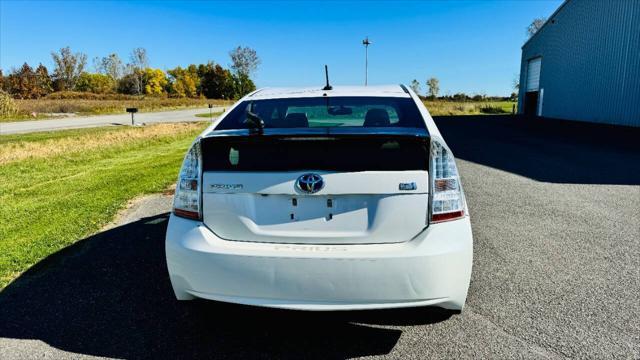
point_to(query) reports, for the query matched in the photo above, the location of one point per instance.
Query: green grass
(443, 108)
(51, 108)
(506, 106)
(40, 137)
(207, 115)
(49, 202)
(26, 117)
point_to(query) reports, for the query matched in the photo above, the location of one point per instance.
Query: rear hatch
(374, 185)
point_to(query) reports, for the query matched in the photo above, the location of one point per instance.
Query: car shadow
(109, 295)
(547, 150)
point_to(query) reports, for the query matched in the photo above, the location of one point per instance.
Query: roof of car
(377, 90)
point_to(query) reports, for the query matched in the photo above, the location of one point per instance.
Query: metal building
(584, 64)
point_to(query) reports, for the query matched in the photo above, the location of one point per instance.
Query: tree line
(111, 75)
(433, 86)
(433, 92)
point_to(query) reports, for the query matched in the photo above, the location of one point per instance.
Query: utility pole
(366, 44)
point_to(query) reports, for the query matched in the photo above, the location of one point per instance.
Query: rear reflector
(446, 216)
(186, 214)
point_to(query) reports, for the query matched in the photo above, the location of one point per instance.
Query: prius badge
(310, 183)
(407, 186)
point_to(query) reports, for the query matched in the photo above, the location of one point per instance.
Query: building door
(530, 103)
(532, 88)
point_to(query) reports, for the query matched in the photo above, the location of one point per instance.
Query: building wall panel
(590, 68)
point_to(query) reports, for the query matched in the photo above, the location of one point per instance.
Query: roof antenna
(326, 75)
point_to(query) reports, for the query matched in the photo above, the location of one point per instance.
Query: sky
(470, 46)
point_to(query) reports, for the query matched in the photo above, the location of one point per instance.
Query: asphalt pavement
(75, 122)
(555, 211)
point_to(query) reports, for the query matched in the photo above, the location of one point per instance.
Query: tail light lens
(447, 202)
(187, 202)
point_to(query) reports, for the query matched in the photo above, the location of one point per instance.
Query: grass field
(442, 108)
(62, 186)
(207, 115)
(47, 108)
(51, 108)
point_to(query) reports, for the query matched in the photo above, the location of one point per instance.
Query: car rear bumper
(432, 269)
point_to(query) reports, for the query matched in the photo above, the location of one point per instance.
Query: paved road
(555, 216)
(103, 120)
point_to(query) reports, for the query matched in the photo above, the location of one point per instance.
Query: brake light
(186, 201)
(447, 202)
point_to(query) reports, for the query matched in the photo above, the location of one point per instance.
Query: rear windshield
(327, 112)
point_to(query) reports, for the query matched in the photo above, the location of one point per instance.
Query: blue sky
(471, 46)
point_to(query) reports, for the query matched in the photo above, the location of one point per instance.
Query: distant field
(56, 107)
(90, 104)
(59, 187)
(443, 108)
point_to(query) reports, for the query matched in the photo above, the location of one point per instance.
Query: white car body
(359, 241)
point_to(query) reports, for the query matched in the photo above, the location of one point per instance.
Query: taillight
(186, 202)
(447, 202)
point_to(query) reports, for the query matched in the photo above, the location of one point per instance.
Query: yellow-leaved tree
(184, 82)
(155, 81)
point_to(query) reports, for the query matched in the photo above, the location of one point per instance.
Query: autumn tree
(22, 83)
(242, 85)
(128, 84)
(535, 25)
(95, 83)
(110, 65)
(17, 81)
(68, 67)
(460, 97)
(43, 81)
(244, 60)
(139, 57)
(415, 86)
(138, 62)
(434, 87)
(216, 82)
(192, 70)
(155, 81)
(25, 83)
(184, 82)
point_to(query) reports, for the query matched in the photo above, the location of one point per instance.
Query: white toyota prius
(321, 199)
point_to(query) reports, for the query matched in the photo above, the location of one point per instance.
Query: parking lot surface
(555, 210)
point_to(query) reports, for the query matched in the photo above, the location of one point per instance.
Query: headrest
(296, 120)
(376, 118)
